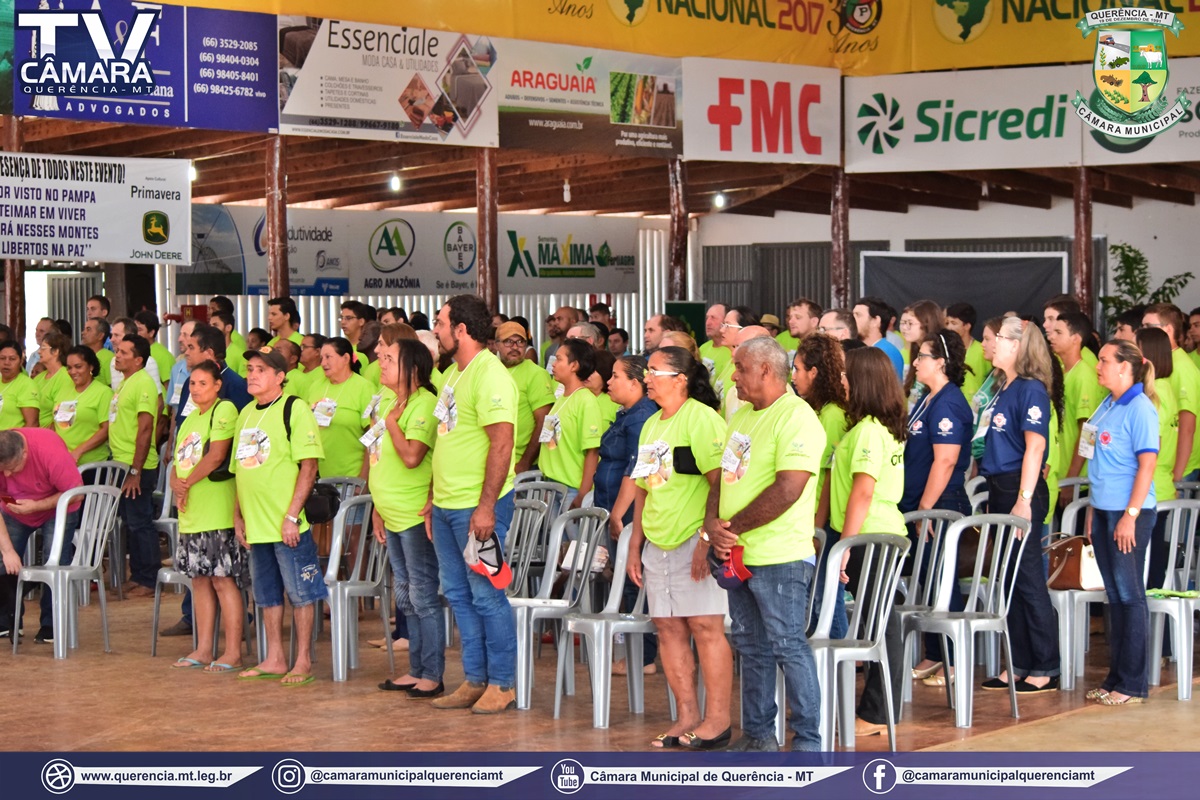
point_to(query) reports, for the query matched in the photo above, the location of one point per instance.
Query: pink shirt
(49, 470)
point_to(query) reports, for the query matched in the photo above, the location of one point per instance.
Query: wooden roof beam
(1016, 179)
(1170, 178)
(1138, 188)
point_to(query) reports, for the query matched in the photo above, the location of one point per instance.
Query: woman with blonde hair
(1018, 421)
(680, 339)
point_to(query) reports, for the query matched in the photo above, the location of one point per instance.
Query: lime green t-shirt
(296, 337)
(715, 359)
(980, 368)
(1055, 469)
(162, 356)
(235, 360)
(372, 372)
(341, 413)
(785, 437)
(137, 395)
(1168, 434)
(788, 342)
(47, 390)
(90, 412)
(608, 411)
(675, 502)
(1195, 356)
(571, 428)
(869, 448)
(535, 389)
(298, 381)
(1089, 358)
(1185, 380)
(237, 342)
(18, 393)
(833, 421)
(1081, 397)
(269, 465)
(437, 379)
(483, 394)
(209, 503)
(106, 358)
(399, 493)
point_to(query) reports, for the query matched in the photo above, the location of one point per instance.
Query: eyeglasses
(1010, 338)
(1152, 325)
(732, 325)
(662, 373)
(908, 323)
(348, 317)
(513, 341)
(919, 356)
(834, 328)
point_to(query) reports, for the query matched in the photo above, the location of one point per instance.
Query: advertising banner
(1180, 143)
(65, 208)
(577, 99)
(6, 61)
(125, 61)
(786, 31)
(748, 111)
(567, 254)
(362, 81)
(1000, 119)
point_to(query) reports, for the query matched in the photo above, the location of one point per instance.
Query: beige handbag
(1073, 566)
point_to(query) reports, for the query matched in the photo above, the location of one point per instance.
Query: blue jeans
(768, 630)
(19, 533)
(1129, 617)
(484, 617)
(278, 568)
(141, 537)
(841, 625)
(415, 582)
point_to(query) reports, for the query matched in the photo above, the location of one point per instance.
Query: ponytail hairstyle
(875, 391)
(342, 347)
(949, 348)
(699, 386)
(931, 319)
(415, 364)
(1034, 360)
(1143, 368)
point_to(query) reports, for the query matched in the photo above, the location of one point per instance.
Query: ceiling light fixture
(192, 173)
(719, 200)
(567, 190)
(394, 183)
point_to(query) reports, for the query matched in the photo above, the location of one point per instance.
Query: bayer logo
(879, 776)
(58, 776)
(567, 776)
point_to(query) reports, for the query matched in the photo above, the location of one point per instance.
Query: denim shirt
(618, 453)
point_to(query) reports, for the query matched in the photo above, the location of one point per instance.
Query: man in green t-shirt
(761, 511)
(714, 352)
(961, 319)
(224, 322)
(275, 450)
(131, 418)
(535, 392)
(1185, 380)
(472, 496)
(1081, 392)
(93, 336)
(284, 319)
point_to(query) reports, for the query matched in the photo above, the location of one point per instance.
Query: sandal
(1097, 693)
(922, 674)
(1107, 700)
(665, 741)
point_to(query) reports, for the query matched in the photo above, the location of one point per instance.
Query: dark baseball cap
(268, 356)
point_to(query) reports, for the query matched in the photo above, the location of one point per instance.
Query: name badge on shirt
(324, 411)
(985, 421)
(650, 460)
(549, 434)
(1087, 440)
(250, 447)
(112, 410)
(373, 434)
(188, 407)
(736, 457)
(372, 407)
(65, 414)
(177, 395)
(446, 411)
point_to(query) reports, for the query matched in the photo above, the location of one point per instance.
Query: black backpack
(323, 503)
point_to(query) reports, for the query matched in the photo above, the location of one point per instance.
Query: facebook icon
(879, 776)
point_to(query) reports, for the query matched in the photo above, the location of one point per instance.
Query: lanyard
(920, 410)
(1095, 423)
(260, 416)
(670, 425)
(461, 375)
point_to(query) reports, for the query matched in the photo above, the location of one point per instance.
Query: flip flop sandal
(187, 663)
(259, 675)
(1096, 694)
(217, 667)
(922, 674)
(293, 684)
(1107, 700)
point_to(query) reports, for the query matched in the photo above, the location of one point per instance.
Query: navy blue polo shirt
(1125, 429)
(944, 418)
(1023, 406)
(233, 389)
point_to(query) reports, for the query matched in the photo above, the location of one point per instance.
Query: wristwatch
(703, 534)
(1133, 512)
(1026, 494)
(291, 519)
(134, 471)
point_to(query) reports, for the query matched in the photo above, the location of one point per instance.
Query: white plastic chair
(167, 576)
(875, 594)
(977, 494)
(366, 577)
(528, 611)
(1181, 533)
(97, 518)
(986, 611)
(1064, 600)
(110, 473)
(527, 477)
(524, 538)
(599, 631)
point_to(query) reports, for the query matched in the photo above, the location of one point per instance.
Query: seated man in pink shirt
(35, 469)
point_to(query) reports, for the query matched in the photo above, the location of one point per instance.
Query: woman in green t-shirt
(1156, 347)
(339, 399)
(50, 383)
(678, 463)
(402, 433)
(18, 397)
(570, 437)
(867, 484)
(80, 412)
(208, 551)
(981, 401)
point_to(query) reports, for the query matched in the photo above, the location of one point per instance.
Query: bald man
(556, 332)
(729, 400)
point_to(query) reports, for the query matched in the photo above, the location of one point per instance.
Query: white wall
(1165, 232)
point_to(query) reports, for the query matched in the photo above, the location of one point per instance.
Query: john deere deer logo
(156, 227)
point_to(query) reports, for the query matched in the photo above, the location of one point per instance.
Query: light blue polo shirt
(1126, 428)
(893, 355)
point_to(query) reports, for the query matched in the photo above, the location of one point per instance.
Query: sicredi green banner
(940, 121)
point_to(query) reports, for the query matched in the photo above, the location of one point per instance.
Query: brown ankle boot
(464, 696)
(495, 700)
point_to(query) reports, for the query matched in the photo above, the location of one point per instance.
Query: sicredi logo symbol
(391, 245)
(882, 123)
(778, 115)
(73, 54)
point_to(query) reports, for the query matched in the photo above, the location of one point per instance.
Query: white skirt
(670, 590)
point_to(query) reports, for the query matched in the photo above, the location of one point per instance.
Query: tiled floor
(126, 700)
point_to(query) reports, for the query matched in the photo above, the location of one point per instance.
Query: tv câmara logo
(1130, 73)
